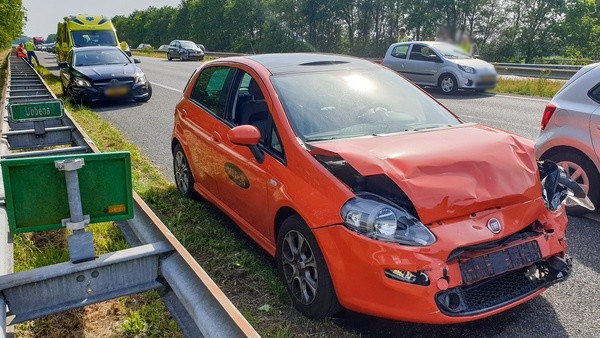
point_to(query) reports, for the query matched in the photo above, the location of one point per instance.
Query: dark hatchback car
(103, 73)
(184, 50)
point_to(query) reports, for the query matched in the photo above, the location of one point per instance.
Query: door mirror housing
(136, 60)
(63, 65)
(249, 136)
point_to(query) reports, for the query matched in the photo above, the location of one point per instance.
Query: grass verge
(243, 270)
(162, 55)
(531, 87)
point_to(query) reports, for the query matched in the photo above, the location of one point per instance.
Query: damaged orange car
(371, 195)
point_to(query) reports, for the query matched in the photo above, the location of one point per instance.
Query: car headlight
(140, 78)
(467, 69)
(79, 82)
(379, 219)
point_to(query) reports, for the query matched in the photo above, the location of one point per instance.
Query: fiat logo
(494, 225)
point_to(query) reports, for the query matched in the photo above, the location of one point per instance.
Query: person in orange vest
(21, 54)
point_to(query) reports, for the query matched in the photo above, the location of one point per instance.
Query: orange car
(371, 195)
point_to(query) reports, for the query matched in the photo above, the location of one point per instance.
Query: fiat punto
(371, 195)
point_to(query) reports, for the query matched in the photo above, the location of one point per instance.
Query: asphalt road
(567, 309)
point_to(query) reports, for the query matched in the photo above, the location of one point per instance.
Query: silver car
(431, 63)
(570, 133)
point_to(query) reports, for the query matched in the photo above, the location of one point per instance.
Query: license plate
(116, 91)
(496, 263)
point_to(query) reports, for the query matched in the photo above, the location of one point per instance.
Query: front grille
(107, 82)
(487, 295)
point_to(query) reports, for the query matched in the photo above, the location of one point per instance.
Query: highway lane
(569, 309)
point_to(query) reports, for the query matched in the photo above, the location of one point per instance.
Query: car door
(422, 64)
(246, 183)
(171, 49)
(397, 59)
(203, 116)
(65, 73)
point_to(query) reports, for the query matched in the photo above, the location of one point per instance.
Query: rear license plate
(496, 263)
(120, 91)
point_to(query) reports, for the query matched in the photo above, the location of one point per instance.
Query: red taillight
(548, 112)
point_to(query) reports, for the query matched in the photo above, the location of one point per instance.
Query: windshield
(93, 38)
(342, 104)
(100, 57)
(451, 51)
(188, 44)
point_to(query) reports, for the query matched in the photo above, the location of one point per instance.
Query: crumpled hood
(450, 172)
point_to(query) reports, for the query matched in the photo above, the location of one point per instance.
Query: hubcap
(447, 84)
(299, 267)
(577, 174)
(181, 172)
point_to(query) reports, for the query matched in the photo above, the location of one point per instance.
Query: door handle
(403, 64)
(216, 137)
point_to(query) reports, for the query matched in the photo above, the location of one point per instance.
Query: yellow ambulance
(84, 30)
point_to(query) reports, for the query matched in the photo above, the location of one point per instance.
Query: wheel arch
(559, 149)
(282, 214)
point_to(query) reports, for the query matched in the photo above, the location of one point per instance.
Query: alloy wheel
(182, 172)
(577, 174)
(300, 267)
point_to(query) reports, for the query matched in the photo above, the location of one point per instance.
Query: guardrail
(556, 72)
(155, 260)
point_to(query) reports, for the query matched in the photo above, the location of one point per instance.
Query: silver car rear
(570, 133)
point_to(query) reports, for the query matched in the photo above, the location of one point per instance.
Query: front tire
(304, 271)
(183, 174)
(582, 171)
(448, 84)
(169, 57)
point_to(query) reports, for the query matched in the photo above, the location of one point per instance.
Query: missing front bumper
(504, 289)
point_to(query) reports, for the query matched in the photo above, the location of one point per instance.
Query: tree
(51, 38)
(12, 16)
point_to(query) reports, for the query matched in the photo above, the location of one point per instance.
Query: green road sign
(22, 112)
(36, 192)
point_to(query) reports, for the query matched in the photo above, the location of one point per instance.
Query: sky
(43, 15)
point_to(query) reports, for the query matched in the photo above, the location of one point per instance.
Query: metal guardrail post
(81, 242)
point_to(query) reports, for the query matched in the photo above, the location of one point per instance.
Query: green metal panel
(36, 192)
(21, 112)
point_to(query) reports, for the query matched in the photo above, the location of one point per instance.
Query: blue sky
(43, 15)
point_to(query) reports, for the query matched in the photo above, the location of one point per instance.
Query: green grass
(161, 55)
(243, 271)
(531, 87)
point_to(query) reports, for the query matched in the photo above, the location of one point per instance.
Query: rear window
(594, 93)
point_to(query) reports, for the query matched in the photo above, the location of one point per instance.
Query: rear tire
(448, 84)
(303, 270)
(183, 174)
(582, 171)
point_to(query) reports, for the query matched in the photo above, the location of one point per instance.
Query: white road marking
(166, 87)
(497, 121)
(517, 97)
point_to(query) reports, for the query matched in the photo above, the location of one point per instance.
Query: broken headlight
(380, 219)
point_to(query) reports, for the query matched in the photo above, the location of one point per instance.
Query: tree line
(504, 30)
(12, 16)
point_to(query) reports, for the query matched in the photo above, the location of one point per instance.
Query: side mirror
(477, 56)
(63, 65)
(136, 60)
(249, 136)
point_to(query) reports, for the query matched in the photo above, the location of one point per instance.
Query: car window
(251, 108)
(422, 53)
(211, 89)
(400, 51)
(85, 38)
(594, 93)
